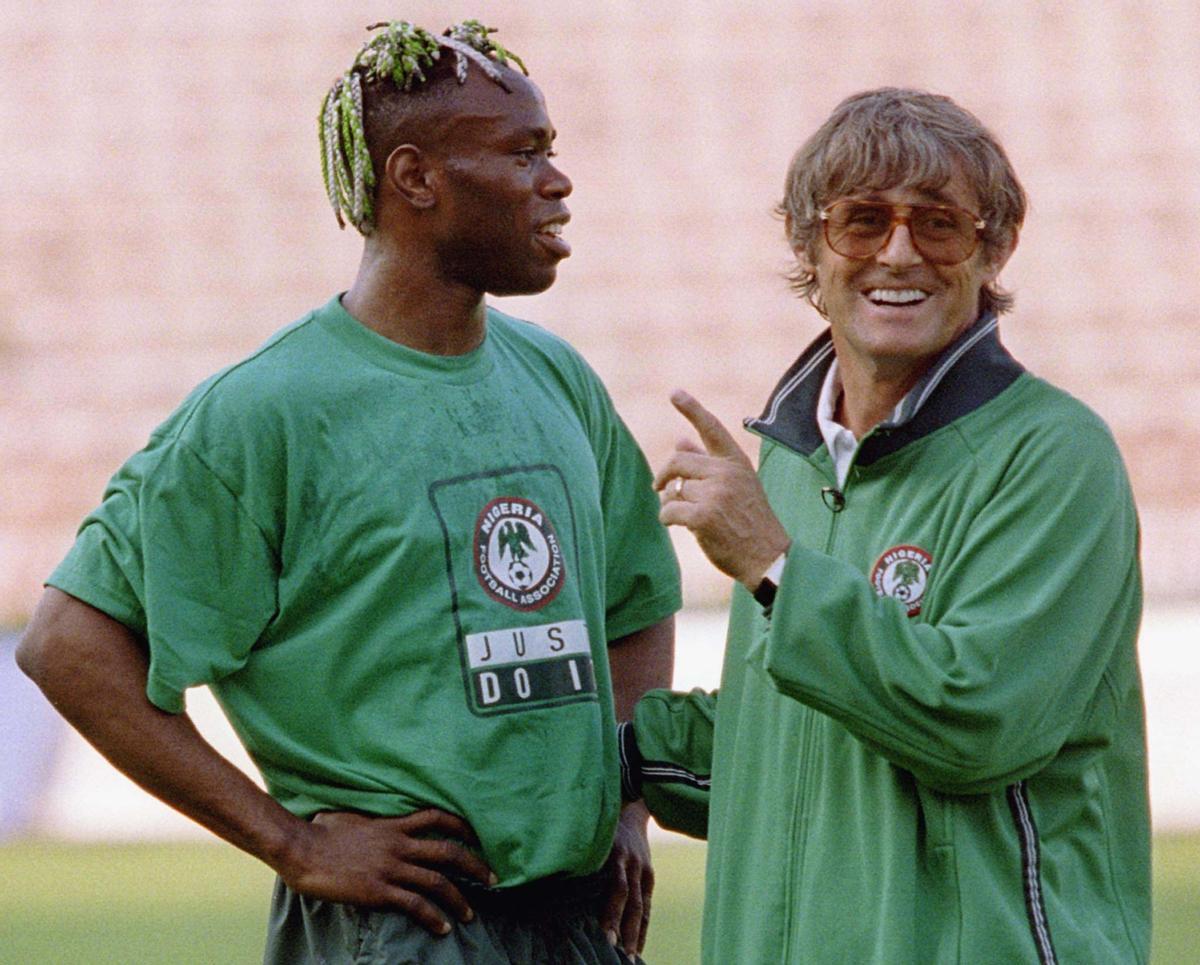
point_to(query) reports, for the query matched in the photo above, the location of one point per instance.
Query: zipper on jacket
(840, 501)
(834, 498)
(797, 838)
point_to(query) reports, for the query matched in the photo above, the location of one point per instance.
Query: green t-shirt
(399, 573)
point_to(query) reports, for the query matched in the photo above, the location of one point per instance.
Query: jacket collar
(972, 370)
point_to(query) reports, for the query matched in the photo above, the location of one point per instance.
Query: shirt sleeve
(173, 554)
(1026, 620)
(641, 571)
(104, 566)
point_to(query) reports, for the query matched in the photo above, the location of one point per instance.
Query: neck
(870, 396)
(403, 299)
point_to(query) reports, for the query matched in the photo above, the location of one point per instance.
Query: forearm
(93, 670)
(985, 695)
(642, 661)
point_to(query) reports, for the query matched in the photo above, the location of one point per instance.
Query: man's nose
(899, 251)
(556, 184)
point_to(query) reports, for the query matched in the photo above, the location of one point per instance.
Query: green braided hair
(399, 52)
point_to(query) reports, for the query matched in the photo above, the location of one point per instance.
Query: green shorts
(546, 922)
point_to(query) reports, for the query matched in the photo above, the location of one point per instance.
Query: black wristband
(768, 586)
(765, 594)
(631, 762)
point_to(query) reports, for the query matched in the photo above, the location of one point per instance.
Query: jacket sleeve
(1035, 608)
(666, 758)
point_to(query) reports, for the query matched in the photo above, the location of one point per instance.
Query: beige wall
(163, 212)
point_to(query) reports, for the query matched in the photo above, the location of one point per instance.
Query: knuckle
(444, 850)
(426, 878)
(407, 901)
(414, 873)
(402, 847)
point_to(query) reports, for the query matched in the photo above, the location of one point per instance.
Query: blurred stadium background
(163, 214)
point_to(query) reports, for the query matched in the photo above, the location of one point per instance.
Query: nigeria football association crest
(901, 573)
(518, 558)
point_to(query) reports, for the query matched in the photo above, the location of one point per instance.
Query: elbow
(51, 649)
(44, 657)
(966, 785)
(960, 779)
(31, 655)
(979, 769)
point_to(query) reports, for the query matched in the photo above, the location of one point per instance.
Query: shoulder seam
(261, 350)
(232, 495)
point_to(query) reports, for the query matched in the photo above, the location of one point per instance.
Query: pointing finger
(713, 434)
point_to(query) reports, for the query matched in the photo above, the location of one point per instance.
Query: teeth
(555, 229)
(896, 296)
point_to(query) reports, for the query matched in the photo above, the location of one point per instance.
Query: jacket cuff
(631, 762)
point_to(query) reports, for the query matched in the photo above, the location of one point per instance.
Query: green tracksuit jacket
(932, 749)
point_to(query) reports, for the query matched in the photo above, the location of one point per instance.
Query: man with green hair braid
(414, 552)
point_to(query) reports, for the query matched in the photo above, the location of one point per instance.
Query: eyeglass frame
(905, 219)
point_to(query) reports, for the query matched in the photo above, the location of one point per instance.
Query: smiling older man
(928, 745)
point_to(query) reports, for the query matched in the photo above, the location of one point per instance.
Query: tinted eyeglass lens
(943, 235)
(859, 229)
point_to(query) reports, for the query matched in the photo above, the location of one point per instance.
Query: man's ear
(799, 250)
(997, 258)
(409, 175)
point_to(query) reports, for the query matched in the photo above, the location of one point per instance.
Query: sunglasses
(942, 233)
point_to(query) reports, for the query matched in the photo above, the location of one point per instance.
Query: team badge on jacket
(518, 558)
(901, 573)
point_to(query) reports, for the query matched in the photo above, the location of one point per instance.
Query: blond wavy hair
(895, 137)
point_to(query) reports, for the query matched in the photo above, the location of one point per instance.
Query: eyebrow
(932, 196)
(488, 122)
(534, 134)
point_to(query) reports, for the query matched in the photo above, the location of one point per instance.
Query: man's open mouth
(550, 236)
(896, 296)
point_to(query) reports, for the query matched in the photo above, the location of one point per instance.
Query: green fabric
(865, 761)
(677, 727)
(303, 930)
(338, 535)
